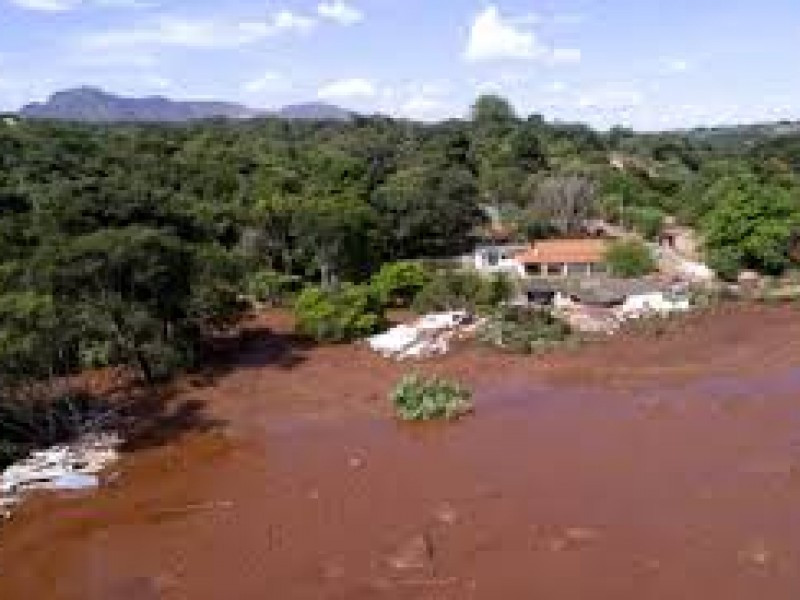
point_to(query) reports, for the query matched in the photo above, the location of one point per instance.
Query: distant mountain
(314, 111)
(94, 105)
(745, 135)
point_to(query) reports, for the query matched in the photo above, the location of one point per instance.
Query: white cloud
(611, 98)
(339, 11)
(47, 5)
(565, 55)
(67, 5)
(423, 108)
(290, 21)
(348, 89)
(491, 37)
(269, 81)
(678, 65)
(419, 100)
(494, 37)
(196, 33)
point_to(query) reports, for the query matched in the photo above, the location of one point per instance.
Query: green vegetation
(399, 283)
(648, 221)
(523, 330)
(462, 290)
(750, 226)
(338, 314)
(269, 287)
(419, 399)
(630, 258)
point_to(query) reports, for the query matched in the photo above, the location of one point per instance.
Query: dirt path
(642, 468)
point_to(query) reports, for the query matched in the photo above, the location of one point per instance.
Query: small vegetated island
(130, 245)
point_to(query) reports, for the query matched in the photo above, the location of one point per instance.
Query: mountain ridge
(94, 105)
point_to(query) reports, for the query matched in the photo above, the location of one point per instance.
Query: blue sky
(651, 64)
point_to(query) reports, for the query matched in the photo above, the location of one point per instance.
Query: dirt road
(649, 467)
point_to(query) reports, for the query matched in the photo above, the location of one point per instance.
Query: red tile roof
(564, 251)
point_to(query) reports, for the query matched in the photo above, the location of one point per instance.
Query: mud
(661, 465)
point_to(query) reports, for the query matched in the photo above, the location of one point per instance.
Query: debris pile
(654, 304)
(592, 319)
(68, 467)
(429, 336)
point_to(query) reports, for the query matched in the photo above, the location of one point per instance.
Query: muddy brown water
(642, 468)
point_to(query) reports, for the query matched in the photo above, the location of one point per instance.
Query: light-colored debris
(429, 336)
(69, 467)
(593, 319)
(756, 554)
(414, 554)
(446, 514)
(654, 304)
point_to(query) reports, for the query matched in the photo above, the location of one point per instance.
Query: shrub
(269, 287)
(462, 290)
(630, 259)
(523, 330)
(646, 220)
(496, 290)
(726, 262)
(419, 399)
(341, 314)
(399, 282)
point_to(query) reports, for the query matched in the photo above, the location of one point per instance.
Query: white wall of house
(498, 259)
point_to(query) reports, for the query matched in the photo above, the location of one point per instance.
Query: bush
(338, 315)
(647, 221)
(269, 287)
(630, 259)
(462, 290)
(726, 262)
(523, 330)
(399, 282)
(496, 290)
(419, 399)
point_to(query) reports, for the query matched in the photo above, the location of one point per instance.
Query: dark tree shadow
(252, 348)
(157, 419)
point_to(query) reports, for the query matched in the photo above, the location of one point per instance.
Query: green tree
(339, 314)
(750, 225)
(630, 259)
(399, 282)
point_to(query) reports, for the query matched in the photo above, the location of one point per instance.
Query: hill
(88, 104)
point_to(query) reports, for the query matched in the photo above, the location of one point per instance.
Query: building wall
(565, 269)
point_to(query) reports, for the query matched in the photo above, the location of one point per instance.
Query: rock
(446, 514)
(757, 555)
(415, 554)
(580, 535)
(356, 463)
(748, 278)
(571, 538)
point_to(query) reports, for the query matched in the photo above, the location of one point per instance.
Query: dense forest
(125, 244)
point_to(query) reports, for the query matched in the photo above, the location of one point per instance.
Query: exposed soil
(660, 465)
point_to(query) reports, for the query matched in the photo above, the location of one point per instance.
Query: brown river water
(647, 467)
